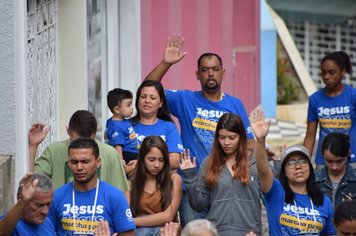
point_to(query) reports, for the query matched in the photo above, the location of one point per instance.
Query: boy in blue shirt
(119, 131)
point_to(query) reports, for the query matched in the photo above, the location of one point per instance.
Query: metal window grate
(41, 66)
(316, 40)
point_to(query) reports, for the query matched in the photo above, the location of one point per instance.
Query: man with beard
(78, 206)
(199, 111)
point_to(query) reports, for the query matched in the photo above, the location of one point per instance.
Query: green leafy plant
(287, 91)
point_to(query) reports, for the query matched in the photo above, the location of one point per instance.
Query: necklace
(94, 208)
(222, 95)
(306, 232)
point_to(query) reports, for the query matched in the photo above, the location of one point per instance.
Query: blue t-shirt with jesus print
(79, 215)
(299, 218)
(199, 116)
(165, 129)
(334, 114)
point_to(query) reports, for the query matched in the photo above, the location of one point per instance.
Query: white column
(21, 116)
(72, 61)
(130, 44)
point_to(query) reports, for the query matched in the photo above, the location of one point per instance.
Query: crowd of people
(209, 178)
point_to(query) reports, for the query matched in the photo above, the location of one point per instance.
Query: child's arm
(129, 167)
(119, 151)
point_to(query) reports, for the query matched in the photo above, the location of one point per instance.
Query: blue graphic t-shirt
(165, 129)
(198, 118)
(121, 132)
(25, 229)
(79, 215)
(300, 218)
(334, 114)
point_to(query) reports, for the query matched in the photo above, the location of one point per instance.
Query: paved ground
(281, 131)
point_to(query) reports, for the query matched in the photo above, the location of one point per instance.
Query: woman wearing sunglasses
(294, 203)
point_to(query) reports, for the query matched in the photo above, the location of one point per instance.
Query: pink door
(229, 28)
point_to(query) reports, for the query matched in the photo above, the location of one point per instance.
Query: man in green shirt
(53, 160)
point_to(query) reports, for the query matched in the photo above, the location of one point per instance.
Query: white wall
(124, 66)
(72, 61)
(124, 54)
(13, 121)
(130, 44)
(7, 76)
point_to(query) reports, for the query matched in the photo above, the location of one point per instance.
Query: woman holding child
(153, 118)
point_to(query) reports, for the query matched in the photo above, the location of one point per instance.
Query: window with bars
(315, 40)
(41, 65)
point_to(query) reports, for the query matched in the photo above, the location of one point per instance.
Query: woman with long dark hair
(155, 192)
(227, 182)
(294, 203)
(153, 118)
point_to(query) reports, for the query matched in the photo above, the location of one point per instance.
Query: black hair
(345, 211)
(312, 188)
(209, 54)
(340, 58)
(83, 123)
(115, 97)
(337, 143)
(163, 112)
(84, 143)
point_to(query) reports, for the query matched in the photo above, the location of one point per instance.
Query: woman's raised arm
(260, 129)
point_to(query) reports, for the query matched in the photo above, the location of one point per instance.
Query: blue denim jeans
(187, 213)
(149, 231)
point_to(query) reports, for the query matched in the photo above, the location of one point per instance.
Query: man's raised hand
(172, 52)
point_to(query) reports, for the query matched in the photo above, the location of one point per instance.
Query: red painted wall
(230, 28)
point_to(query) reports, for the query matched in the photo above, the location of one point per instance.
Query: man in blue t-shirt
(199, 111)
(29, 215)
(78, 206)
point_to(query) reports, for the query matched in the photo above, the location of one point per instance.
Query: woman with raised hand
(332, 107)
(155, 192)
(227, 182)
(294, 203)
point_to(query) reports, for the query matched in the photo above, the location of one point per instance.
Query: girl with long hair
(227, 182)
(295, 205)
(155, 191)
